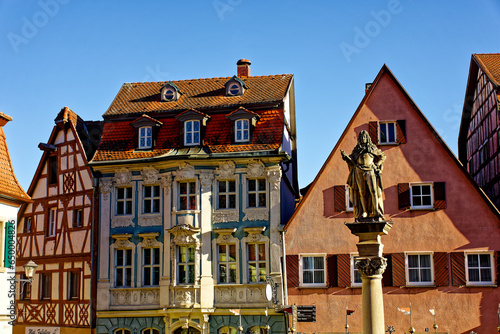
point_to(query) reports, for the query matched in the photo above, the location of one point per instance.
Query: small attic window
(235, 87)
(146, 131)
(145, 137)
(169, 92)
(244, 122)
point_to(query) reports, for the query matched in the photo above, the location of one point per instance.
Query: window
(187, 195)
(45, 286)
(121, 331)
(234, 89)
(151, 266)
(123, 267)
(52, 223)
(421, 196)
(124, 201)
(313, 270)
(256, 189)
(226, 196)
(27, 225)
(348, 202)
(73, 285)
(151, 199)
(227, 263)
(257, 330)
(192, 132)
(227, 330)
(169, 94)
(256, 263)
(78, 218)
(52, 170)
(185, 264)
(242, 130)
(145, 137)
(479, 268)
(25, 289)
(419, 269)
(355, 275)
(387, 133)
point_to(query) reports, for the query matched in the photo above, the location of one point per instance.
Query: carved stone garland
(123, 177)
(225, 170)
(149, 175)
(105, 188)
(185, 171)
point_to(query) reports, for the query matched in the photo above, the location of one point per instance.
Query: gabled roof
(10, 189)
(490, 64)
(385, 71)
(199, 94)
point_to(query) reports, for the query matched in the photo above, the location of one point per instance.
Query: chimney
(367, 87)
(243, 68)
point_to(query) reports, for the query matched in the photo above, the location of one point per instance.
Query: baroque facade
(195, 179)
(56, 232)
(12, 196)
(479, 137)
(441, 255)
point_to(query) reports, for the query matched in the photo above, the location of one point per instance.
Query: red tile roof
(144, 97)
(9, 186)
(490, 64)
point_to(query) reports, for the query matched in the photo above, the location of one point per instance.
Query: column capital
(368, 267)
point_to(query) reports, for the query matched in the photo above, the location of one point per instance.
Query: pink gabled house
(442, 250)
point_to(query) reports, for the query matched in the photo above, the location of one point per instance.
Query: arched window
(150, 331)
(189, 330)
(257, 330)
(121, 331)
(227, 330)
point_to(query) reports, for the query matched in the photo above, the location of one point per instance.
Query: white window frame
(256, 192)
(71, 282)
(149, 240)
(348, 204)
(492, 270)
(151, 266)
(242, 130)
(227, 194)
(226, 237)
(227, 263)
(254, 236)
(145, 137)
(125, 199)
(192, 132)
(151, 198)
(422, 207)
(355, 270)
(258, 261)
(386, 125)
(52, 223)
(407, 269)
(301, 270)
(124, 266)
(186, 264)
(187, 195)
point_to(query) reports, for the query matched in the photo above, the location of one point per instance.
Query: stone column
(371, 265)
(207, 280)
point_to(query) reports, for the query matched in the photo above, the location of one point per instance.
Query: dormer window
(147, 129)
(235, 87)
(244, 122)
(145, 137)
(193, 127)
(169, 92)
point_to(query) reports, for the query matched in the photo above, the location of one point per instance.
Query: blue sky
(74, 53)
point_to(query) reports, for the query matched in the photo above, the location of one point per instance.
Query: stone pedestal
(371, 265)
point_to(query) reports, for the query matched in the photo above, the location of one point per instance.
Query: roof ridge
(201, 79)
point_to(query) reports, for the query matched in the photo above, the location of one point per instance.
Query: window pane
(308, 277)
(222, 273)
(191, 254)
(319, 263)
(183, 203)
(252, 200)
(222, 202)
(473, 260)
(307, 263)
(426, 200)
(147, 256)
(474, 275)
(413, 275)
(129, 192)
(192, 202)
(262, 185)
(191, 273)
(262, 199)
(416, 190)
(196, 125)
(147, 276)
(251, 252)
(383, 132)
(147, 191)
(426, 190)
(156, 256)
(189, 126)
(262, 252)
(425, 275)
(192, 187)
(319, 277)
(485, 260)
(232, 202)
(232, 273)
(425, 261)
(183, 188)
(128, 276)
(232, 252)
(222, 186)
(232, 186)
(485, 275)
(251, 185)
(391, 136)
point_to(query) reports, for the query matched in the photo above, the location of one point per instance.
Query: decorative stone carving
(366, 163)
(122, 177)
(184, 234)
(274, 177)
(166, 182)
(185, 171)
(150, 221)
(256, 169)
(121, 222)
(255, 237)
(225, 216)
(149, 175)
(254, 294)
(256, 214)
(105, 188)
(122, 240)
(206, 178)
(371, 266)
(225, 170)
(227, 295)
(123, 297)
(121, 243)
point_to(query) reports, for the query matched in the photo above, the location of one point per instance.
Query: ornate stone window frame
(150, 177)
(226, 237)
(148, 241)
(254, 236)
(226, 172)
(184, 235)
(407, 268)
(185, 173)
(301, 271)
(255, 170)
(122, 241)
(122, 178)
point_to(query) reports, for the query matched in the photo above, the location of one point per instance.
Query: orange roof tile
(9, 186)
(490, 64)
(144, 97)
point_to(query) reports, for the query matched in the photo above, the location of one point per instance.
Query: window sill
(184, 212)
(389, 144)
(468, 285)
(409, 285)
(313, 287)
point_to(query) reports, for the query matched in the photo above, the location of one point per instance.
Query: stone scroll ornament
(365, 163)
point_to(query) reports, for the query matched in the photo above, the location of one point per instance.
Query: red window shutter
(401, 132)
(339, 198)
(398, 269)
(439, 195)
(387, 275)
(373, 131)
(441, 269)
(344, 270)
(292, 271)
(404, 196)
(331, 266)
(458, 268)
(497, 266)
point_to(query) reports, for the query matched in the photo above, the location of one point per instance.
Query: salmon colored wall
(467, 223)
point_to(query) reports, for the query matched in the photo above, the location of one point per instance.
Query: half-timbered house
(56, 232)
(442, 250)
(12, 196)
(196, 177)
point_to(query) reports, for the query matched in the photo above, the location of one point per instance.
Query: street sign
(306, 313)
